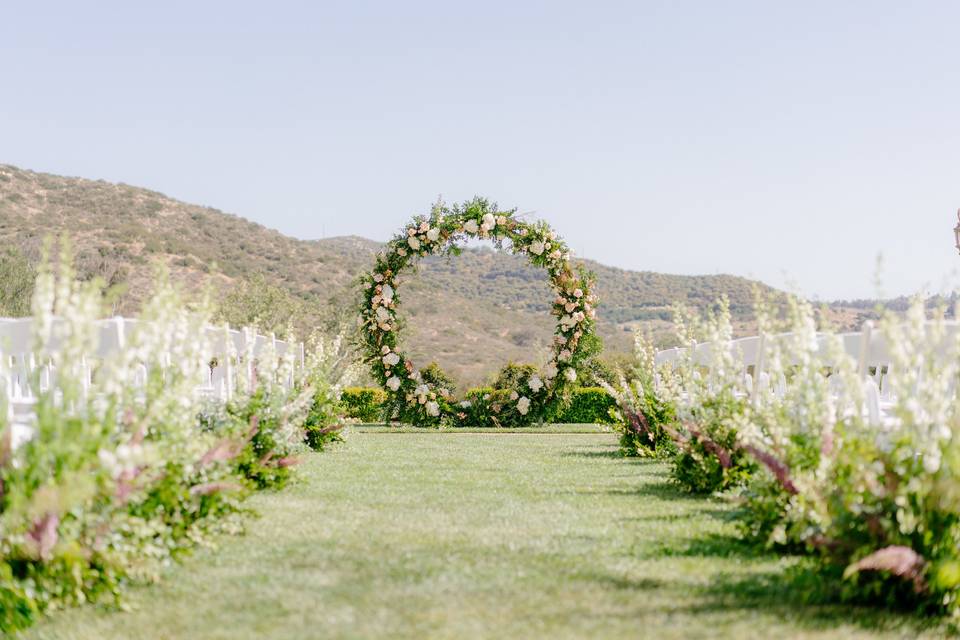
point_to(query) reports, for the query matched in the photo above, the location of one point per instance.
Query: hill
(472, 313)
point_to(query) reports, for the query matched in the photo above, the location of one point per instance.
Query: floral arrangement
(416, 398)
(872, 502)
(125, 470)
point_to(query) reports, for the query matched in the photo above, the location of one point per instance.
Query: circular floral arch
(417, 399)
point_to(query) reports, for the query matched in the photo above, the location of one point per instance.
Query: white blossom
(523, 405)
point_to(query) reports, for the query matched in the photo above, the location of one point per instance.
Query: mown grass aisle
(458, 535)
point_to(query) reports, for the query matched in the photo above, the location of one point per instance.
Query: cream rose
(523, 405)
(470, 226)
(391, 359)
(414, 243)
(535, 383)
(393, 383)
(536, 248)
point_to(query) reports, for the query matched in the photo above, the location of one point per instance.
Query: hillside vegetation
(471, 313)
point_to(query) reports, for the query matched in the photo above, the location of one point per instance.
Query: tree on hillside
(271, 308)
(17, 276)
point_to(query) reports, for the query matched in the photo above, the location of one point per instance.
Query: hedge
(589, 405)
(363, 403)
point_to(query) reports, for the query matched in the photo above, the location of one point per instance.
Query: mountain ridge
(492, 301)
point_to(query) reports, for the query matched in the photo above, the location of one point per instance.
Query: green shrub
(363, 403)
(434, 376)
(513, 376)
(324, 420)
(589, 405)
(489, 407)
(709, 456)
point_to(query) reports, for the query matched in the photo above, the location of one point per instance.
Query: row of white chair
(868, 348)
(23, 375)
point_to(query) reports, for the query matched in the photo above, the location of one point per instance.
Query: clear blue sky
(787, 141)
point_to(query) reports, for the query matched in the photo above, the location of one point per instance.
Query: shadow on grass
(795, 593)
(666, 490)
(792, 596)
(605, 453)
(713, 545)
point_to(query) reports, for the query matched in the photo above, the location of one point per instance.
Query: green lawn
(468, 535)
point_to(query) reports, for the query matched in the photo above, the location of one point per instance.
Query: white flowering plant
(641, 411)
(709, 400)
(126, 464)
(414, 399)
(876, 504)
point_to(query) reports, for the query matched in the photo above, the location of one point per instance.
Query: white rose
(433, 409)
(470, 226)
(433, 235)
(550, 371)
(536, 248)
(523, 405)
(391, 359)
(489, 220)
(535, 383)
(387, 294)
(393, 383)
(570, 374)
(422, 390)
(382, 314)
(414, 243)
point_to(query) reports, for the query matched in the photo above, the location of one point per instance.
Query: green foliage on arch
(425, 400)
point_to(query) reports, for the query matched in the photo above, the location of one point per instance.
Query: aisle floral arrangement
(872, 501)
(118, 477)
(414, 397)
